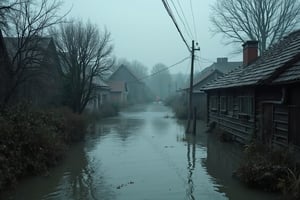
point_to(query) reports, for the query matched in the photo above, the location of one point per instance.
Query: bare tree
(27, 24)
(86, 55)
(264, 20)
(6, 7)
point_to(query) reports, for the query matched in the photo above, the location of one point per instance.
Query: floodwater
(143, 154)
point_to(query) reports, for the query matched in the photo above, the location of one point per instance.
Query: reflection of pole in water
(191, 167)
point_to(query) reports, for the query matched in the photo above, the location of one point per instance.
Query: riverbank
(32, 141)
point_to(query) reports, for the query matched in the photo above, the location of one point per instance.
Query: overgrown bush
(31, 140)
(271, 170)
(176, 102)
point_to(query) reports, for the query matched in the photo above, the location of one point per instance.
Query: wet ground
(143, 154)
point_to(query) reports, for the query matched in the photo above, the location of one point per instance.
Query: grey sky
(141, 30)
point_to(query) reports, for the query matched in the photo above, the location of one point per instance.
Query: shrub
(32, 140)
(179, 108)
(269, 170)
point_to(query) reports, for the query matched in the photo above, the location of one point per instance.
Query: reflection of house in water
(222, 160)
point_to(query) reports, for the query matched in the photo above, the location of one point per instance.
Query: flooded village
(84, 116)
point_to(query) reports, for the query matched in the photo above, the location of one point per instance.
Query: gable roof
(290, 75)
(38, 46)
(99, 82)
(127, 69)
(222, 66)
(272, 62)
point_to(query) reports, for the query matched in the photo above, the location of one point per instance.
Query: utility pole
(190, 109)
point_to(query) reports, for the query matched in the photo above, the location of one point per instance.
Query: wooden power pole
(190, 108)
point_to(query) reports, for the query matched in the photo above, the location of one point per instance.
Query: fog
(142, 30)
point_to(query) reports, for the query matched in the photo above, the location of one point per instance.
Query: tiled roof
(122, 66)
(290, 75)
(222, 67)
(271, 61)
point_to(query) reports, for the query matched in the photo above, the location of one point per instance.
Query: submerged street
(143, 154)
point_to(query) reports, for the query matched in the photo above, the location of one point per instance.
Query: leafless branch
(264, 20)
(86, 54)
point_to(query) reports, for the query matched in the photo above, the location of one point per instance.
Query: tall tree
(264, 20)
(28, 21)
(6, 7)
(86, 54)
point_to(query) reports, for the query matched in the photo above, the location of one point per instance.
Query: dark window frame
(246, 106)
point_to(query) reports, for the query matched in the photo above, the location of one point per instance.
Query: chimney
(222, 60)
(250, 52)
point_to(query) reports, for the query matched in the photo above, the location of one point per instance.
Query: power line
(169, 67)
(193, 16)
(186, 26)
(186, 21)
(167, 7)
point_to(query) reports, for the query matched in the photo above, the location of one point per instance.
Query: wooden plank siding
(229, 116)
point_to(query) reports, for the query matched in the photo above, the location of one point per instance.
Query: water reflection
(191, 166)
(222, 160)
(141, 154)
(72, 180)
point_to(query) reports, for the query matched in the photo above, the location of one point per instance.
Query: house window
(104, 98)
(223, 104)
(246, 105)
(230, 104)
(214, 103)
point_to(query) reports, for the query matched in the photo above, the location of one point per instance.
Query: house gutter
(279, 102)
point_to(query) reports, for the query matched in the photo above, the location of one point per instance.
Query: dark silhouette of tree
(85, 54)
(6, 7)
(28, 21)
(264, 20)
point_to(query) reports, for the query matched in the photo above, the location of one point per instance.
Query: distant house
(101, 95)
(261, 99)
(217, 69)
(118, 92)
(137, 90)
(40, 82)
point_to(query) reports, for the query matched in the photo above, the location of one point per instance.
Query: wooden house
(39, 80)
(137, 91)
(209, 74)
(118, 92)
(260, 99)
(101, 95)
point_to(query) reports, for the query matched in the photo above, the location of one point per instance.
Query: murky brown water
(143, 155)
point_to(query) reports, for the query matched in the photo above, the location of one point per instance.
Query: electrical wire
(160, 71)
(167, 7)
(184, 17)
(186, 26)
(193, 16)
